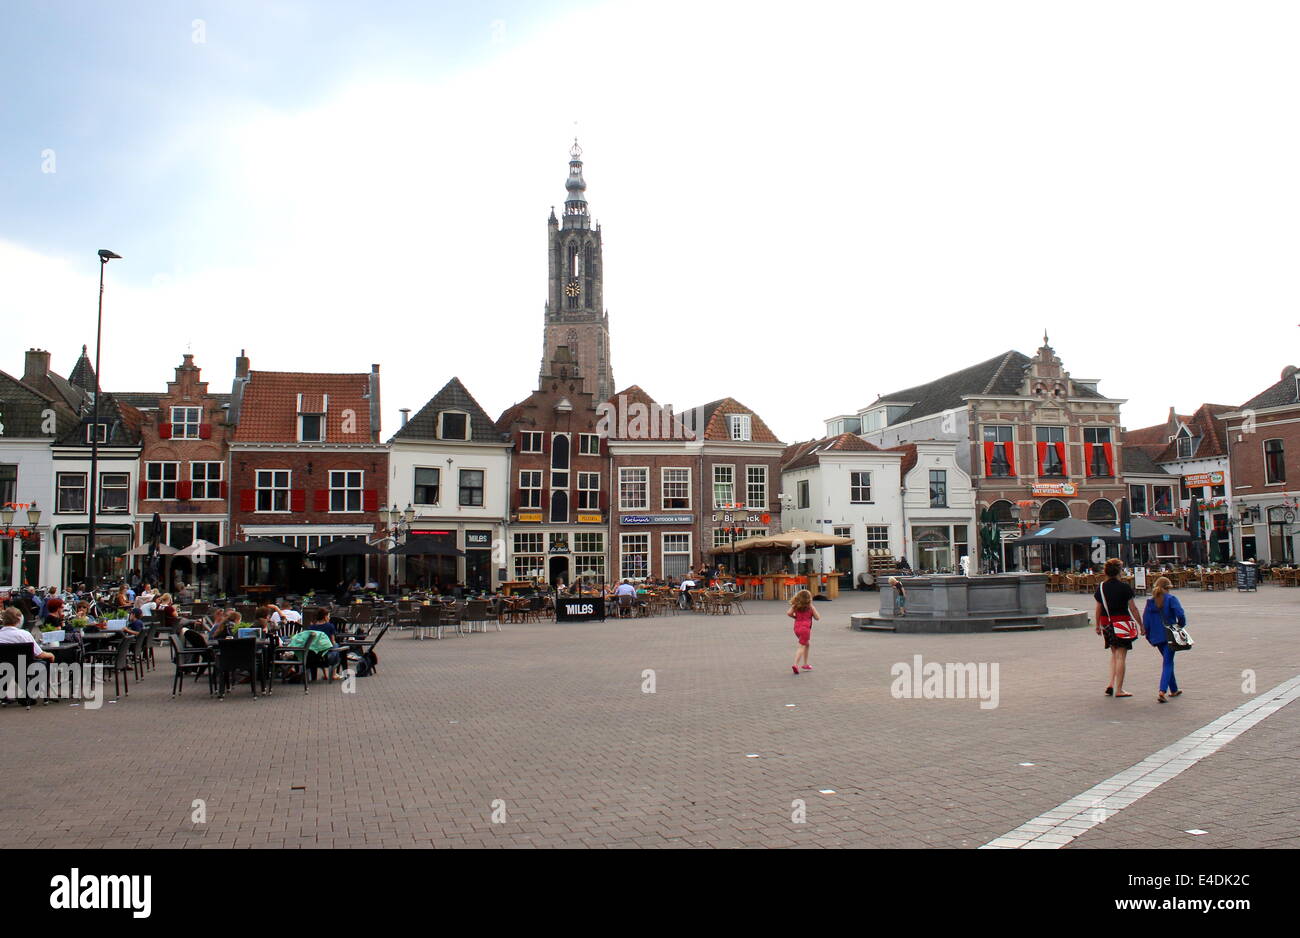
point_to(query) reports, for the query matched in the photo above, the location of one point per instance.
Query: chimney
(406, 415)
(241, 365)
(36, 365)
(374, 403)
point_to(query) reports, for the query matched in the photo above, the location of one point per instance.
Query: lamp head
(106, 256)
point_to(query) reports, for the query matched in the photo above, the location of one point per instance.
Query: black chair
(18, 657)
(194, 659)
(365, 648)
(138, 656)
(285, 661)
(236, 656)
(118, 660)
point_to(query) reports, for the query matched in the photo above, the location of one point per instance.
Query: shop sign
(590, 518)
(1055, 488)
(1199, 479)
(740, 517)
(530, 516)
(657, 519)
(478, 538)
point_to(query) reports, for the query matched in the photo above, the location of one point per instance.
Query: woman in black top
(1115, 605)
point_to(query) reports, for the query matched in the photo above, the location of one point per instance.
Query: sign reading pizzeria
(1066, 489)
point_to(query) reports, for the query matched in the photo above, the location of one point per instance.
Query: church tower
(575, 312)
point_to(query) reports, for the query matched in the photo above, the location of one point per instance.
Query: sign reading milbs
(579, 609)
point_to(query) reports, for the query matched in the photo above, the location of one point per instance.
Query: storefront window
(933, 548)
(7, 562)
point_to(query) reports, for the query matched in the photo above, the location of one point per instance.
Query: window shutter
(144, 489)
(165, 431)
(247, 500)
(514, 500)
(546, 442)
(370, 500)
(604, 500)
(224, 490)
(519, 442)
(184, 489)
(205, 431)
(604, 445)
(321, 500)
(297, 499)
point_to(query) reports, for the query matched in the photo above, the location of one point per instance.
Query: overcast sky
(804, 205)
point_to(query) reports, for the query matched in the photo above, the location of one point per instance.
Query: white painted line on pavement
(1056, 828)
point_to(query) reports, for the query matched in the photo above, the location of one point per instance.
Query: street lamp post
(104, 258)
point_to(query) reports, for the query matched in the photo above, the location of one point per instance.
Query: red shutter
(144, 489)
(225, 492)
(321, 500)
(297, 499)
(604, 500)
(370, 500)
(205, 431)
(1087, 459)
(1009, 449)
(988, 458)
(604, 445)
(546, 442)
(247, 500)
(1060, 453)
(1042, 453)
(514, 500)
(184, 489)
(519, 442)
(164, 431)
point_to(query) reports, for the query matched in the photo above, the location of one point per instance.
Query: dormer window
(1185, 444)
(312, 409)
(311, 428)
(103, 432)
(453, 425)
(740, 426)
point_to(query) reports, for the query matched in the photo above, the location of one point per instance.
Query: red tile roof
(798, 455)
(269, 411)
(715, 421)
(909, 457)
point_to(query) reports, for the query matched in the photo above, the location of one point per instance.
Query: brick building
(740, 462)
(1264, 453)
(185, 436)
(1035, 440)
(306, 464)
(559, 495)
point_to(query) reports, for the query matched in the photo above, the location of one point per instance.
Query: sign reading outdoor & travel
(657, 519)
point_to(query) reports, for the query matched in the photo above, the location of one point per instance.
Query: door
(558, 568)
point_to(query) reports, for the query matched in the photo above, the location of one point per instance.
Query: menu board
(1247, 576)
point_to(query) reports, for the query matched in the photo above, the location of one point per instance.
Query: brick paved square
(547, 727)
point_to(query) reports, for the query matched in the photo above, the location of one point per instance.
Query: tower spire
(575, 202)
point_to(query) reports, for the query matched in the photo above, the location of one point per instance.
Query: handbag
(1124, 629)
(1176, 635)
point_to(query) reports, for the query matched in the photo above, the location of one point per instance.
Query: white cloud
(802, 207)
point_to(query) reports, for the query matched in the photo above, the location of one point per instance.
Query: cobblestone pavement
(548, 725)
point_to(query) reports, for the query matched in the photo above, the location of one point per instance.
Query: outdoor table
(64, 652)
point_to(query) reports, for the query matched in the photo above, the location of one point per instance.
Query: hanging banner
(1055, 488)
(1198, 479)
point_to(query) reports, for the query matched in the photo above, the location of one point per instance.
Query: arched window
(1102, 511)
(575, 260)
(559, 507)
(589, 260)
(1001, 511)
(560, 452)
(1053, 510)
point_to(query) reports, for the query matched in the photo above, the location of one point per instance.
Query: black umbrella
(1068, 531)
(1126, 532)
(1194, 528)
(347, 547)
(1145, 531)
(426, 547)
(257, 546)
(154, 536)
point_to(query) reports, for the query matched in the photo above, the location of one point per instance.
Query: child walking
(803, 613)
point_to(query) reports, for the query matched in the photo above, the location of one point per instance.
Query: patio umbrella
(786, 541)
(198, 552)
(258, 546)
(1194, 529)
(1145, 531)
(347, 547)
(1069, 531)
(154, 539)
(425, 547)
(144, 550)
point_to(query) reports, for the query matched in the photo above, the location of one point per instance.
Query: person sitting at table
(168, 616)
(12, 633)
(322, 623)
(134, 623)
(54, 609)
(320, 650)
(229, 626)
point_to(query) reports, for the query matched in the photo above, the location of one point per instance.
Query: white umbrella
(199, 550)
(142, 550)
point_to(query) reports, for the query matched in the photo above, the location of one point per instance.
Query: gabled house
(449, 471)
(740, 462)
(32, 416)
(1263, 437)
(306, 465)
